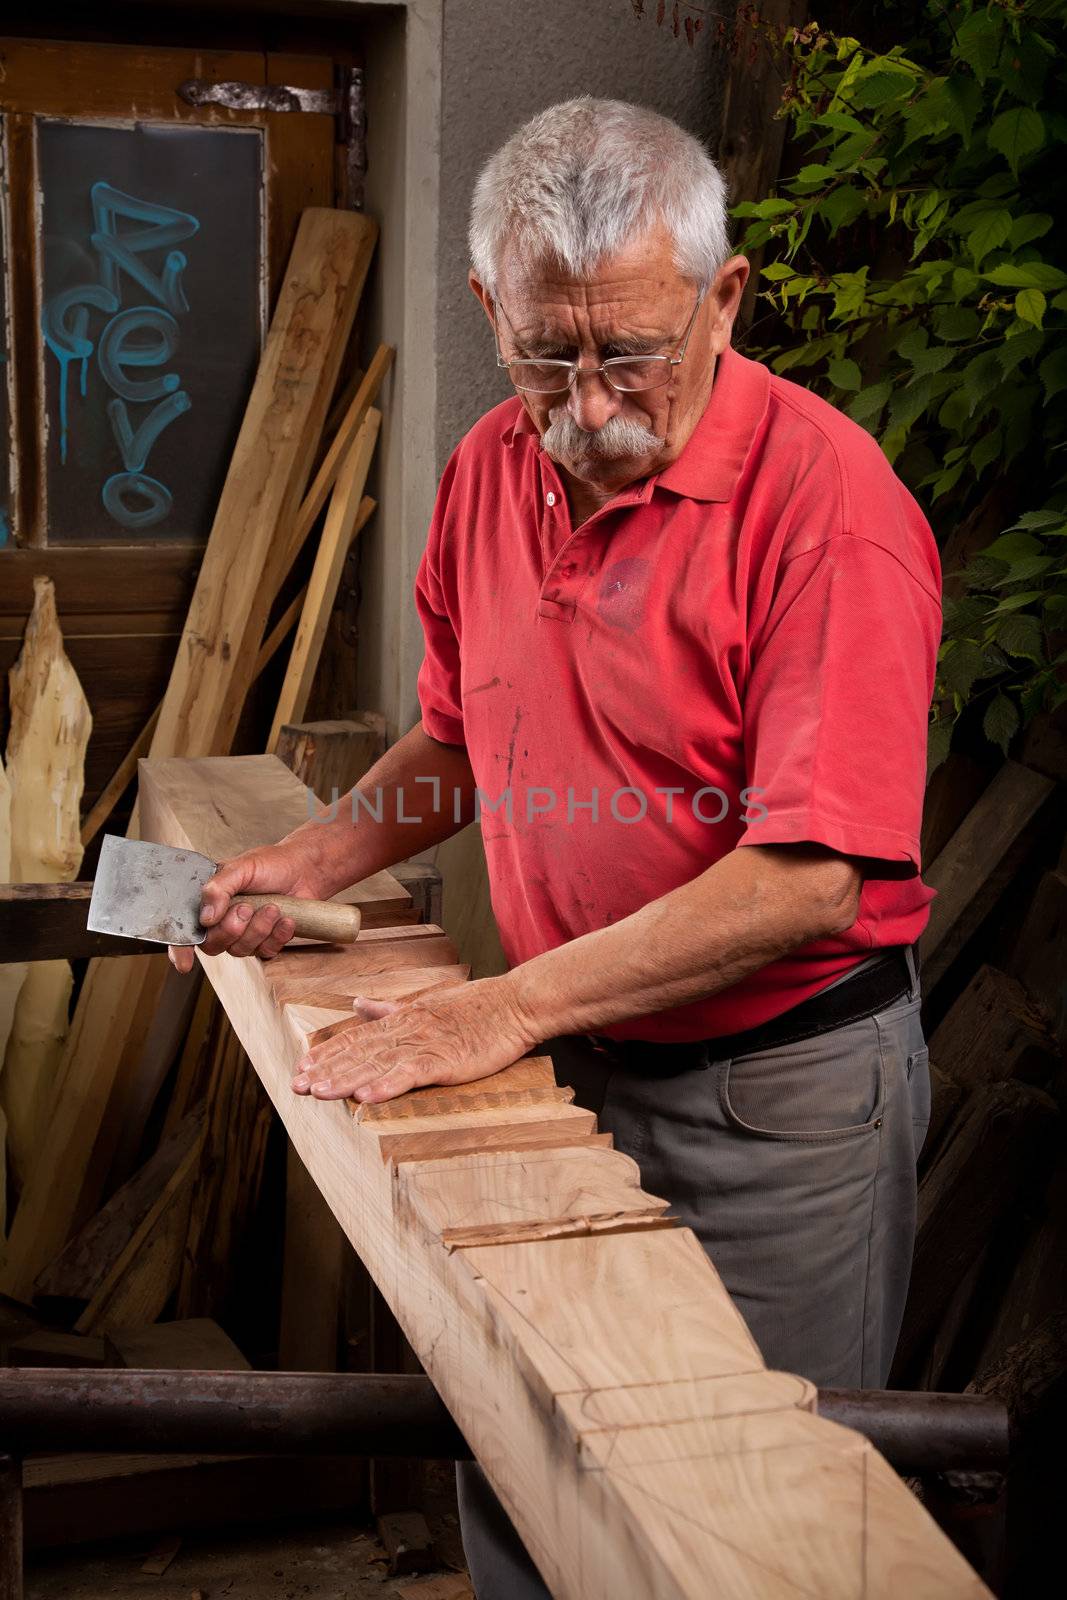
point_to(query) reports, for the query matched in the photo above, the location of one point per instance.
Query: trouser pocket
(830, 1088)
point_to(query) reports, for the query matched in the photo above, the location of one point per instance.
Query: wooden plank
(145, 1274)
(1039, 959)
(978, 863)
(348, 512)
(534, 1344)
(126, 770)
(46, 922)
(508, 1197)
(954, 787)
(12, 974)
(332, 756)
(212, 674)
(50, 727)
(227, 1180)
(326, 474)
(49, 1348)
(192, 1344)
(80, 1269)
(314, 1265)
(996, 1153)
(991, 1033)
(265, 484)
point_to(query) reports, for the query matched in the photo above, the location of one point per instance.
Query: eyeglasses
(628, 374)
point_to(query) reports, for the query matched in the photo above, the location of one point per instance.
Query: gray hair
(587, 176)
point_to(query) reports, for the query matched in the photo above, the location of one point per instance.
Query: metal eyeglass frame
(573, 370)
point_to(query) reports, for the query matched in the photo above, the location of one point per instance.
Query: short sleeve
(837, 706)
(439, 676)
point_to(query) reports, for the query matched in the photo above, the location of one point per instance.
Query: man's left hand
(450, 1035)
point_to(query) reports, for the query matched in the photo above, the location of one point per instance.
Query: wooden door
(144, 239)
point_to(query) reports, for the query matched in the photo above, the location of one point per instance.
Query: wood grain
(607, 1384)
(50, 727)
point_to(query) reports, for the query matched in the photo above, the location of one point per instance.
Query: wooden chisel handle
(329, 920)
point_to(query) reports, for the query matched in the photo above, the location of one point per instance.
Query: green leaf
(845, 374)
(1001, 721)
(841, 122)
(1016, 134)
(986, 451)
(850, 292)
(932, 360)
(763, 208)
(802, 355)
(1015, 602)
(991, 230)
(878, 87)
(962, 666)
(962, 101)
(777, 270)
(938, 741)
(1053, 372)
(1020, 347)
(981, 378)
(1035, 521)
(815, 174)
(1026, 275)
(1022, 636)
(913, 343)
(953, 323)
(1033, 225)
(978, 43)
(1030, 306)
(842, 206)
(868, 404)
(1030, 567)
(1013, 546)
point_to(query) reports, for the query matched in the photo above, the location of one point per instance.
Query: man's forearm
(419, 793)
(749, 909)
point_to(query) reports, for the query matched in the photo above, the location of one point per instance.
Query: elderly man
(681, 621)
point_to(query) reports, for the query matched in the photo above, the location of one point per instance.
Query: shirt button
(550, 498)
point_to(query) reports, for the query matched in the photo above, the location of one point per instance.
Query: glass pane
(152, 320)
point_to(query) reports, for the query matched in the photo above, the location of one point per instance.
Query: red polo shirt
(738, 650)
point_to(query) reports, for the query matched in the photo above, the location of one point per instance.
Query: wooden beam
(606, 1382)
(348, 513)
(50, 726)
(46, 922)
(972, 871)
(79, 1271)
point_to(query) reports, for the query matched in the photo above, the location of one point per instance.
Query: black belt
(854, 998)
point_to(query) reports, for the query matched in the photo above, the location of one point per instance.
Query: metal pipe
(312, 1413)
(278, 1413)
(922, 1433)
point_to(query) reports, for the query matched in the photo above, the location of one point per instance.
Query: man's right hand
(271, 869)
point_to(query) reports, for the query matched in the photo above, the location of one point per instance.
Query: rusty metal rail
(367, 1414)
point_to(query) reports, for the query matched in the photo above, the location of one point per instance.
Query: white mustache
(617, 439)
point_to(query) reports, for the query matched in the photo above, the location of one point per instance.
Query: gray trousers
(795, 1167)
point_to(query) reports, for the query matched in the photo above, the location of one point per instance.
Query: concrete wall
(503, 61)
(448, 81)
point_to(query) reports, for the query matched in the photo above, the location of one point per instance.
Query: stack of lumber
(585, 1345)
(987, 1308)
(139, 1178)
